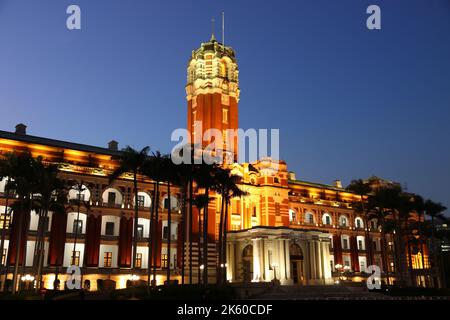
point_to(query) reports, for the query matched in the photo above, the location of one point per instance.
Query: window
(141, 201)
(138, 263)
(2, 220)
(375, 246)
(343, 222)
(75, 258)
(360, 245)
(109, 229)
(225, 115)
(359, 223)
(309, 218)
(77, 226)
(4, 257)
(111, 198)
(107, 259)
(254, 212)
(373, 224)
(362, 265)
(80, 196)
(276, 180)
(140, 231)
(327, 220)
(165, 232)
(347, 263)
(345, 243)
(164, 260)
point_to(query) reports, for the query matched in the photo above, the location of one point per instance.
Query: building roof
(317, 185)
(58, 143)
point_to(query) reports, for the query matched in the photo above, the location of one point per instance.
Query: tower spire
(213, 37)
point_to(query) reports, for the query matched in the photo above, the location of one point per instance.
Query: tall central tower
(213, 93)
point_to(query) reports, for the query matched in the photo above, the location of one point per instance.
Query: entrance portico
(292, 256)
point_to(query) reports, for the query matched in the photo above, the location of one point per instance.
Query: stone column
(288, 261)
(237, 265)
(231, 274)
(312, 260)
(319, 259)
(282, 260)
(256, 260)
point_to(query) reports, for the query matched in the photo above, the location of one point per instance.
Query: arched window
(79, 192)
(173, 202)
(144, 200)
(309, 217)
(292, 215)
(326, 219)
(343, 221)
(359, 223)
(373, 224)
(112, 197)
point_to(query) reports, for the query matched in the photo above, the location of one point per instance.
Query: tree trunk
(205, 238)
(190, 230)
(18, 250)
(169, 231)
(155, 233)
(220, 247)
(435, 256)
(2, 242)
(151, 237)
(225, 235)
(136, 221)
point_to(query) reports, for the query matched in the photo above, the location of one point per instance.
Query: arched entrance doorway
(296, 258)
(247, 263)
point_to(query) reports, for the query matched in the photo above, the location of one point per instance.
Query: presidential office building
(298, 232)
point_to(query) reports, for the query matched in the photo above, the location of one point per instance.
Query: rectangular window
(2, 220)
(107, 259)
(80, 196)
(4, 257)
(225, 115)
(165, 232)
(75, 258)
(77, 226)
(375, 247)
(111, 198)
(141, 201)
(360, 245)
(109, 229)
(166, 203)
(164, 260)
(138, 260)
(277, 208)
(345, 244)
(140, 231)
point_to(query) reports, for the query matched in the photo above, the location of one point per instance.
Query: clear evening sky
(349, 102)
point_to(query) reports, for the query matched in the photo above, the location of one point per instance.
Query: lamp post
(338, 268)
(274, 266)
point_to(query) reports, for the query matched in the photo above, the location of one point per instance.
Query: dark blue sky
(349, 102)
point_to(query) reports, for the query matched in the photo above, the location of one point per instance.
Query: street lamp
(28, 280)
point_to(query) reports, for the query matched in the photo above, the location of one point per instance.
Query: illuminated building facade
(294, 231)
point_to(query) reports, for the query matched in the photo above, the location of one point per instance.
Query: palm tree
(79, 202)
(132, 161)
(381, 206)
(362, 189)
(434, 209)
(5, 170)
(23, 171)
(201, 203)
(51, 197)
(226, 186)
(153, 168)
